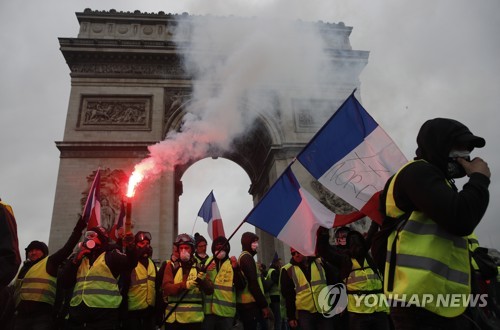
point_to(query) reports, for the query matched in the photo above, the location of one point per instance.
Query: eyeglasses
(90, 234)
(295, 253)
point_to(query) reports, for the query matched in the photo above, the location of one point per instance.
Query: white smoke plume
(237, 65)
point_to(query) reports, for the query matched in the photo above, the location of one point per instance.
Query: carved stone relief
(112, 190)
(115, 112)
(312, 114)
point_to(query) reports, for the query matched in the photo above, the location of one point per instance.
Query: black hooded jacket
(249, 268)
(423, 186)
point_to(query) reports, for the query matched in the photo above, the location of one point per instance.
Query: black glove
(80, 225)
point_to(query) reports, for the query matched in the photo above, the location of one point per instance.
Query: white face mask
(255, 246)
(459, 154)
(185, 256)
(221, 255)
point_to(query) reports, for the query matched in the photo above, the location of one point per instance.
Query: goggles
(143, 236)
(90, 234)
(295, 253)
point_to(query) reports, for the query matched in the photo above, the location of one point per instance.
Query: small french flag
(92, 209)
(209, 211)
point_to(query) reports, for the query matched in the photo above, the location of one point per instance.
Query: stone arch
(129, 88)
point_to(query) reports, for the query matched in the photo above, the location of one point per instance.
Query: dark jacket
(288, 286)
(249, 269)
(423, 186)
(10, 259)
(28, 308)
(117, 263)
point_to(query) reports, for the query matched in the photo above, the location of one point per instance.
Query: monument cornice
(108, 149)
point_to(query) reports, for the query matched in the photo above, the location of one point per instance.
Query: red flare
(134, 180)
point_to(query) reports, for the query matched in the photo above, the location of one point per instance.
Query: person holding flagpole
(251, 302)
(35, 285)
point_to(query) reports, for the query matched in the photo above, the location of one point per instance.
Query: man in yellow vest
(10, 260)
(367, 306)
(93, 274)
(273, 277)
(427, 256)
(36, 282)
(301, 285)
(141, 288)
(251, 303)
(225, 274)
(184, 288)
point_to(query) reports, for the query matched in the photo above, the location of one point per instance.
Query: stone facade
(129, 89)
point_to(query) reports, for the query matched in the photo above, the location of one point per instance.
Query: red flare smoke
(133, 181)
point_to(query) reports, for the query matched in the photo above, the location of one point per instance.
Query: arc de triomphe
(128, 86)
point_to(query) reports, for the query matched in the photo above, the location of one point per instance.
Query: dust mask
(221, 255)
(454, 169)
(185, 256)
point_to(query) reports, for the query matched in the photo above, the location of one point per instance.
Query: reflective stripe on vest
(245, 296)
(363, 288)
(96, 286)
(37, 284)
(142, 294)
(428, 260)
(306, 297)
(190, 308)
(223, 301)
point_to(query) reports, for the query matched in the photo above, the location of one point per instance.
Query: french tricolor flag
(92, 209)
(352, 157)
(209, 211)
(291, 214)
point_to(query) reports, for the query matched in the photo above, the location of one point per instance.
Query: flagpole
(192, 230)
(203, 270)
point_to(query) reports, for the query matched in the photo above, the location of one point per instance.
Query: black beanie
(198, 239)
(37, 245)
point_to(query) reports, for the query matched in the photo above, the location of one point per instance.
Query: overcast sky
(428, 58)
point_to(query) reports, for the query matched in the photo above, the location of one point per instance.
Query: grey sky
(427, 59)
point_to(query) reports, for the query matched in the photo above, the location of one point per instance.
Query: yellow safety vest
(473, 244)
(428, 261)
(223, 301)
(364, 283)
(306, 294)
(142, 291)
(95, 285)
(275, 288)
(190, 309)
(37, 285)
(245, 297)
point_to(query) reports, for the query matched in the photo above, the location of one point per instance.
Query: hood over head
(221, 240)
(437, 136)
(246, 241)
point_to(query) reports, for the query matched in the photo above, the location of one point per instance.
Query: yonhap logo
(332, 300)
